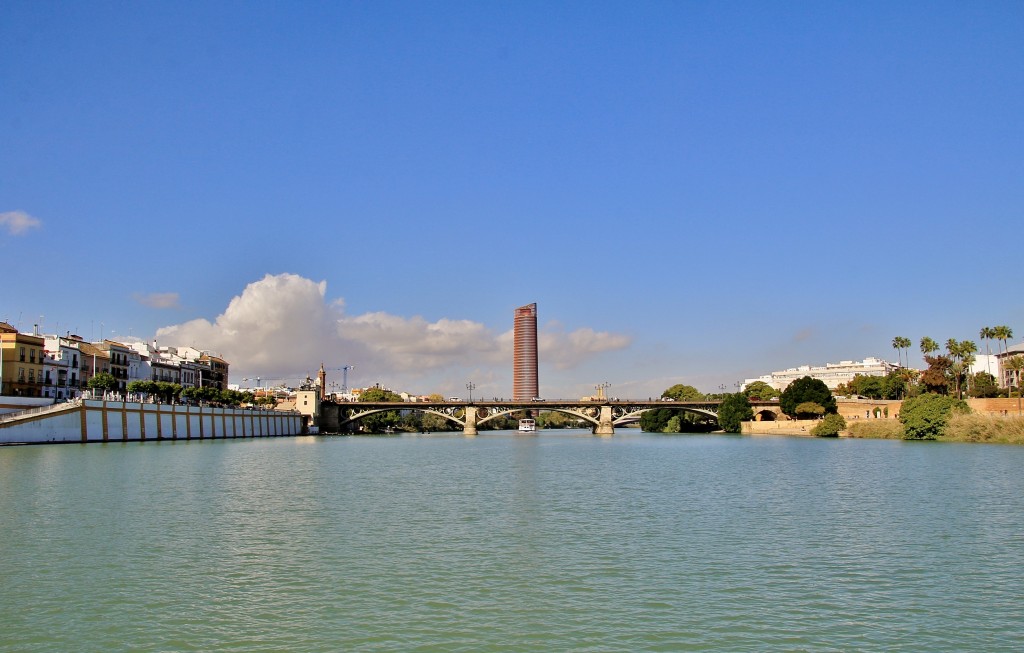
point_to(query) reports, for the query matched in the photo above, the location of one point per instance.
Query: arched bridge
(602, 416)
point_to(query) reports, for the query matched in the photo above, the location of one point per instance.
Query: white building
(1006, 376)
(985, 363)
(832, 374)
(61, 367)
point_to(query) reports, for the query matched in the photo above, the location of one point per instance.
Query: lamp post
(601, 387)
(722, 387)
(470, 386)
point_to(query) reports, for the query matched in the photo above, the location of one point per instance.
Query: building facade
(831, 374)
(22, 360)
(525, 381)
(1010, 375)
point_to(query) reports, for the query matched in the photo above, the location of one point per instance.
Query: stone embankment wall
(854, 410)
(117, 421)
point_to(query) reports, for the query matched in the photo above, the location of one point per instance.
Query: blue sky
(692, 192)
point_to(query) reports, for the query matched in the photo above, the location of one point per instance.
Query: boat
(527, 425)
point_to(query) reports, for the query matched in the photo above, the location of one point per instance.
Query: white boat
(527, 426)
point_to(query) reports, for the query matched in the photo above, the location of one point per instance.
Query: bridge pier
(604, 422)
(470, 428)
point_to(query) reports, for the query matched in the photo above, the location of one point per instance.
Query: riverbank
(986, 428)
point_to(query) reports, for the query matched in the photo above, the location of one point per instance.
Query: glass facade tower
(525, 385)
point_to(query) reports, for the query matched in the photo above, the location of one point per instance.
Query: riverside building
(831, 374)
(525, 383)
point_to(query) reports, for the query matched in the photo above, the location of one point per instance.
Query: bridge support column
(604, 422)
(470, 426)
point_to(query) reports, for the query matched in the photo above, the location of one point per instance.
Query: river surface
(554, 542)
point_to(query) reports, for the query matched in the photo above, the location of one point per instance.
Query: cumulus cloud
(158, 299)
(283, 327)
(18, 222)
(567, 350)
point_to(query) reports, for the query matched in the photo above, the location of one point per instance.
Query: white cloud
(158, 299)
(567, 350)
(283, 327)
(18, 222)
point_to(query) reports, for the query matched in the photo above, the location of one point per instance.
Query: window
(21, 374)
(32, 355)
(22, 357)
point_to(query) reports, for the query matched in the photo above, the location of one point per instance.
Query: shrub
(830, 426)
(875, 428)
(925, 417)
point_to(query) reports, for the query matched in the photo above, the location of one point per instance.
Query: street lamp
(722, 387)
(471, 387)
(601, 387)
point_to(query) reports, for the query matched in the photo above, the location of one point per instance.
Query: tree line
(169, 393)
(949, 373)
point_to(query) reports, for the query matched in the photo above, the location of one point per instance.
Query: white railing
(28, 412)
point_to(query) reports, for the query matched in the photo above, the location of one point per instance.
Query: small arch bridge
(602, 416)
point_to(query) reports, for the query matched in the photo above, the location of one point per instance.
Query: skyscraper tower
(525, 385)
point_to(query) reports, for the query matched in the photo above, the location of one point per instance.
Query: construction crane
(257, 379)
(344, 375)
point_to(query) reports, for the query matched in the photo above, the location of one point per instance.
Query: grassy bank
(984, 428)
(885, 429)
(961, 428)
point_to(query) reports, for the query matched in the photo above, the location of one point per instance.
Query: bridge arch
(602, 417)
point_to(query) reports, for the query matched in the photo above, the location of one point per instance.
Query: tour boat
(527, 425)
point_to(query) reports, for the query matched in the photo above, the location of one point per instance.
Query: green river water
(554, 542)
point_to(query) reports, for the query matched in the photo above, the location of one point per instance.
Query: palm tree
(953, 347)
(905, 346)
(986, 335)
(967, 350)
(1003, 333)
(928, 345)
(897, 342)
(1014, 365)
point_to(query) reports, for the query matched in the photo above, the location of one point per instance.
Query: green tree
(924, 417)
(674, 425)
(733, 411)
(103, 381)
(142, 387)
(167, 391)
(380, 422)
(894, 385)
(809, 410)
(829, 426)
(681, 392)
(655, 420)
(983, 384)
(872, 387)
(760, 391)
(433, 422)
(379, 394)
(803, 390)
